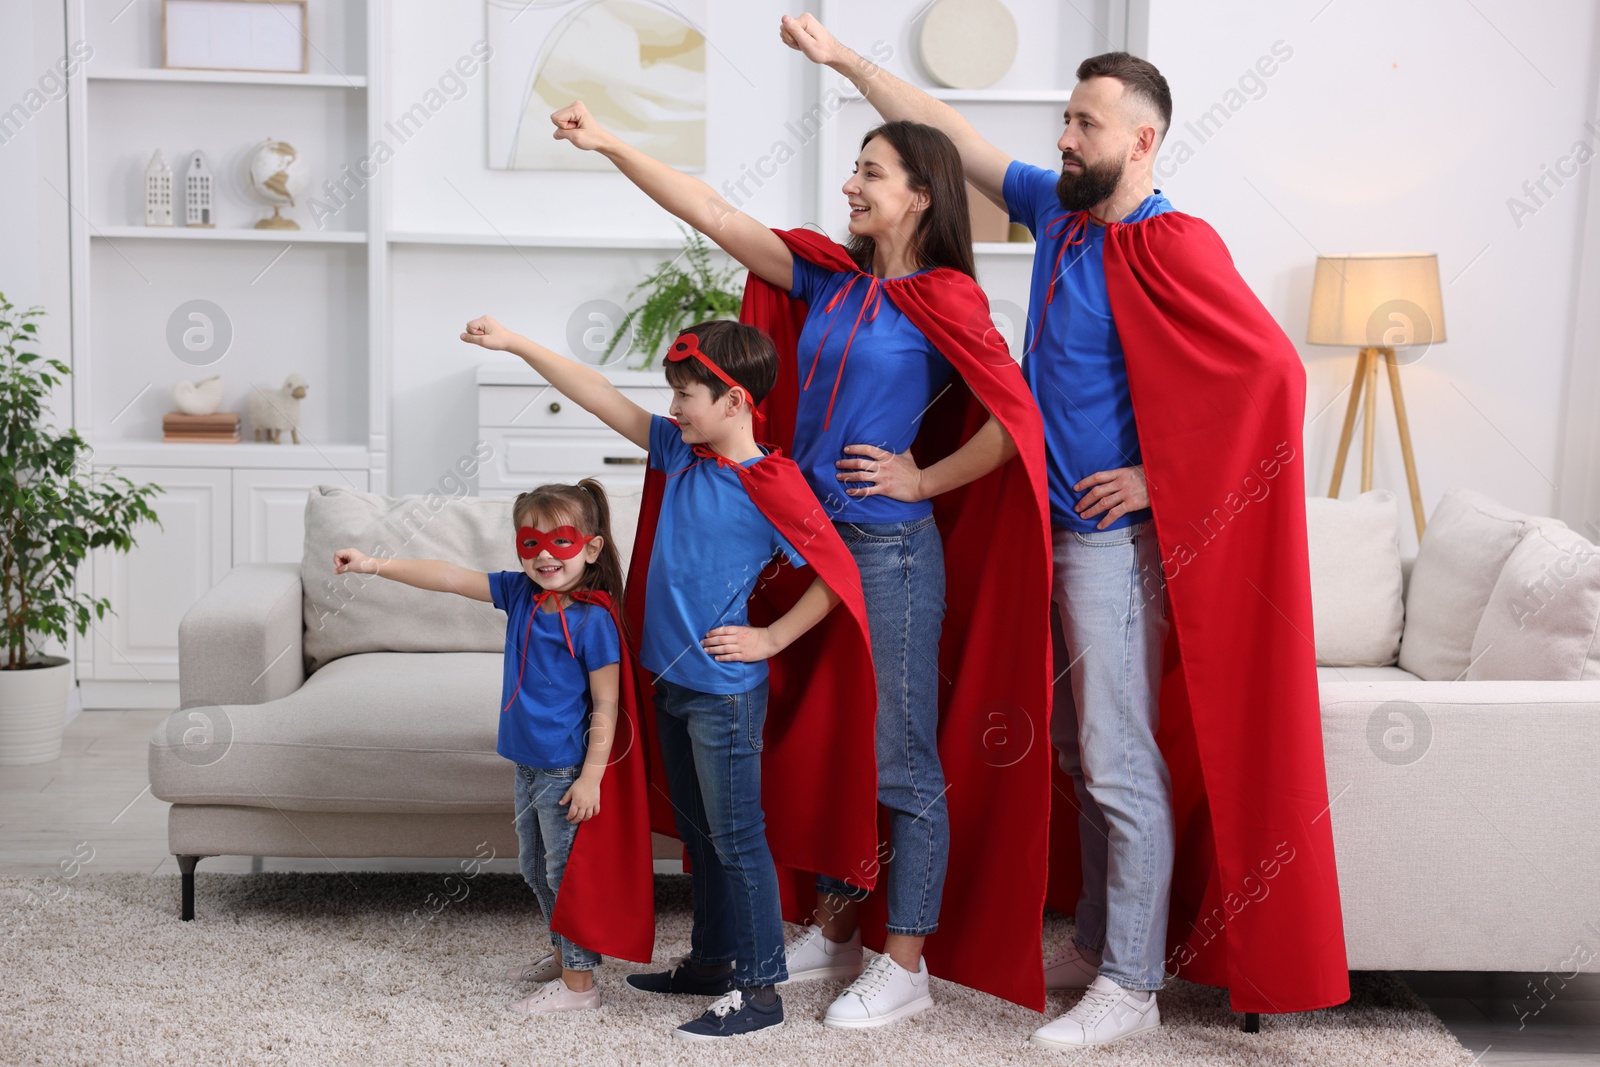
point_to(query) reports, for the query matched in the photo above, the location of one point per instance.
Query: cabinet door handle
(628, 461)
(555, 407)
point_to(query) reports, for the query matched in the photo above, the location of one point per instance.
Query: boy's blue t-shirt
(891, 374)
(544, 726)
(1076, 369)
(711, 545)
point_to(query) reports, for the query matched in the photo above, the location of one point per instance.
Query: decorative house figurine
(197, 193)
(158, 192)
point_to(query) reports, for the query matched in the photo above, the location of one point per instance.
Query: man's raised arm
(894, 99)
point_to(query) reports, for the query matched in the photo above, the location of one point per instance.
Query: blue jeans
(1113, 605)
(902, 579)
(545, 840)
(711, 748)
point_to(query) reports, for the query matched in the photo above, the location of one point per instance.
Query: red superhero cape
(1219, 397)
(607, 898)
(818, 770)
(994, 652)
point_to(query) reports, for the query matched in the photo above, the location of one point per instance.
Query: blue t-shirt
(712, 543)
(544, 726)
(1075, 369)
(891, 374)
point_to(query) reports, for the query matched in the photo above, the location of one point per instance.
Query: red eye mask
(563, 542)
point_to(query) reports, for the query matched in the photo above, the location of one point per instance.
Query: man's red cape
(818, 770)
(607, 898)
(1219, 397)
(994, 652)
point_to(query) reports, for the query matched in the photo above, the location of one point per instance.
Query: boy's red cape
(1219, 396)
(607, 898)
(994, 653)
(818, 770)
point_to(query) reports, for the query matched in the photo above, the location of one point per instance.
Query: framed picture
(263, 35)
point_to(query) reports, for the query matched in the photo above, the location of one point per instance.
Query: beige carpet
(313, 969)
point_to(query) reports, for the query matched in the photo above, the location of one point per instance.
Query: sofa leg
(1252, 1022)
(186, 868)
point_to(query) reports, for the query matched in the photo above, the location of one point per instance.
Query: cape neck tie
(870, 304)
(1072, 229)
(706, 452)
(538, 603)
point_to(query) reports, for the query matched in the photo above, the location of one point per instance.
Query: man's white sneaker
(555, 996)
(1069, 969)
(886, 992)
(1106, 1013)
(541, 970)
(809, 955)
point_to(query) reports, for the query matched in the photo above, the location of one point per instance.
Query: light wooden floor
(97, 797)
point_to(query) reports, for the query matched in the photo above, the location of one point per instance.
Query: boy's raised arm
(582, 384)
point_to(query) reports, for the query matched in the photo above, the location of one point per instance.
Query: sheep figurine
(274, 410)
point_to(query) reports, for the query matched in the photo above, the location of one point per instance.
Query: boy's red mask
(687, 346)
(563, 542)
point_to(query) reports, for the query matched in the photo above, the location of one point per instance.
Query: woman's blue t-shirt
(544, 726)
(892, 373)
(712, 544)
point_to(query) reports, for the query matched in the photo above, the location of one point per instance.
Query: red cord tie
(873, 300)
(705, 452)
(538, 601)
(1072, 229)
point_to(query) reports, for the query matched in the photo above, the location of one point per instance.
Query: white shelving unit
(309, 300)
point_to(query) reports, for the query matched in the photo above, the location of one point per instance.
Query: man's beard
(1090, 186)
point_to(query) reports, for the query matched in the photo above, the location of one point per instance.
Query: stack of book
(220, 428)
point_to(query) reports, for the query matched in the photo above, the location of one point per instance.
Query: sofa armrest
(241, 643)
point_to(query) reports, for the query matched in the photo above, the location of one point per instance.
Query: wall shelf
(232, 77)
(414, 237)
(252, 454)
(201, 233)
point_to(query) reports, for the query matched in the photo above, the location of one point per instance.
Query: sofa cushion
(1544, 612)
(1356, 594)
(1468, 540)
(377, 732)
(350, 613)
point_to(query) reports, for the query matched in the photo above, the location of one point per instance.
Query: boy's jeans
(711, 748)
(545, 837)
(1112, 600)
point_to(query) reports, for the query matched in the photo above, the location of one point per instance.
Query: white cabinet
(212, 519)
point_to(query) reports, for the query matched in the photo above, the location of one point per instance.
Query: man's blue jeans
(711, 748)
(902, 579)
(545, 840)
(1112, 601)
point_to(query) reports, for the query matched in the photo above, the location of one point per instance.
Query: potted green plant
(53, 510)
(679, 296)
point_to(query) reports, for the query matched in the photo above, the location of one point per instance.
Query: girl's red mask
(563, 542)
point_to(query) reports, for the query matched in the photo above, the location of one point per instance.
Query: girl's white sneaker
(886, 992)
(555, 996)
(809, 955)
(542, 970)
(1106, 1013)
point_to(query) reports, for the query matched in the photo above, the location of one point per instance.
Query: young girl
(559, 700)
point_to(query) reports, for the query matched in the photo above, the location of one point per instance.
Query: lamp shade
(1388, 300)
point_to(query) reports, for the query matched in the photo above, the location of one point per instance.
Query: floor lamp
(1388, 305)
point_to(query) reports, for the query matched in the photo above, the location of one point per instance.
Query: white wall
(1404, 127)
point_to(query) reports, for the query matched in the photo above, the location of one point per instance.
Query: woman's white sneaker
(555, 996)
(1106, 1013)
(886, 992)
(1070, 969)
(809, 955)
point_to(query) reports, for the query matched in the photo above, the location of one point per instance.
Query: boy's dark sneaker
(680, 978)
(735, 1015)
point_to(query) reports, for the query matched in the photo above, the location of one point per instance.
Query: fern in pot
(53, 511)
(679, 296)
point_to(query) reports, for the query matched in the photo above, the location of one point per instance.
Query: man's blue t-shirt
(712, 543)
(891, 374)
(1075, 368)
(544, 727)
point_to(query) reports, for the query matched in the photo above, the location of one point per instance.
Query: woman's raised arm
(686, 196)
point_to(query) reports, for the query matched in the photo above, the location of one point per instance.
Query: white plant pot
(33, 711)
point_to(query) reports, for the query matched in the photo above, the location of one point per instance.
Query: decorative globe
(274, 175)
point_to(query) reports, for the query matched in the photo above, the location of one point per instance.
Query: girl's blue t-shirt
(711, 546)
(545, 724)
(892, 373)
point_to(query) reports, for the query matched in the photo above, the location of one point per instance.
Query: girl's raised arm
(687, 197)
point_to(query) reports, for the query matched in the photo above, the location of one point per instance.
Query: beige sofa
(357, 718)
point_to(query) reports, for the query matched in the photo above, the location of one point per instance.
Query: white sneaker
(885, 992)
(542, 970)
(1106, 1013)
(555, 996)
(809, 955)
(1069, 969)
